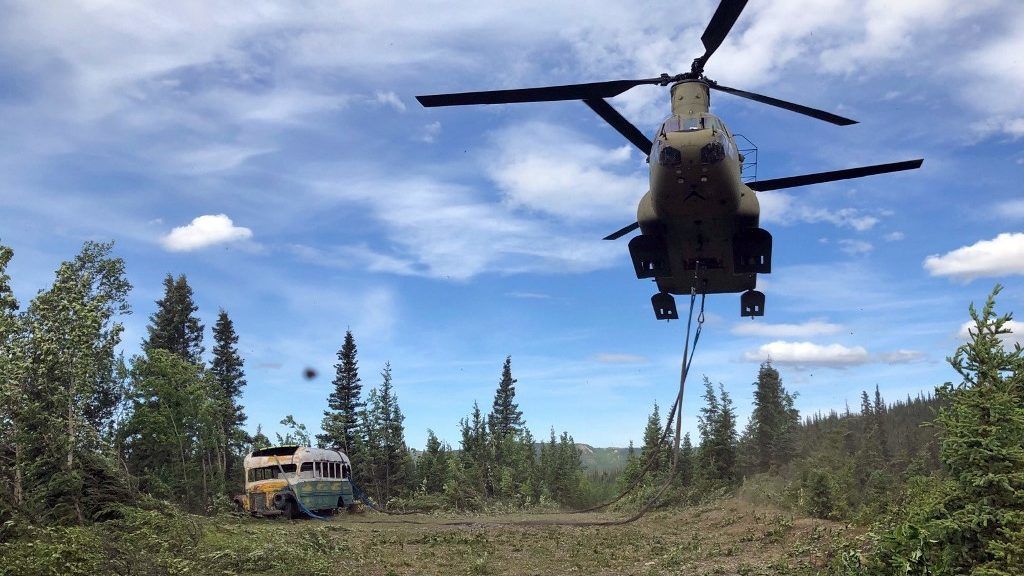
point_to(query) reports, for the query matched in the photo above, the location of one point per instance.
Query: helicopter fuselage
(697, 202)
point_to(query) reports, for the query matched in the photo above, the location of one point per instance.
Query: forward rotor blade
(622, 232)
(725, 16)
(542, 94)
(798, 108)
(820, 177)
(624, 127)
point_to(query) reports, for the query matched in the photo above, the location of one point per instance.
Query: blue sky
(274, 153)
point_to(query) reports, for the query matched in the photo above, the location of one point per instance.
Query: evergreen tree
(386, 451)
(505, 418)
(432, 466)
(341, 421)
(974, 524)
(475, 456)
(174, 326)
(686, 461)
(717, 426)
(227, 371)
(773, 421)
(653, 447)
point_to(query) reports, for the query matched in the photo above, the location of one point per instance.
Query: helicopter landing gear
(752, 251)
(752, 303)
(664, 306)
(650, 257)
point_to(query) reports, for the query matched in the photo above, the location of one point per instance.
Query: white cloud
(556, 171)
(204, 231)
(1010, 209)
(855, 247)
(901, 357)
(1001, 256)
(443, 230)
(390, 99)
(804, 330)
(782, 208)
(809, 354)
(1015, 336)
(895, 236)
(431, 131)
(613, 358)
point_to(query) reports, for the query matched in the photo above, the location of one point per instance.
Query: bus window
(306, 471)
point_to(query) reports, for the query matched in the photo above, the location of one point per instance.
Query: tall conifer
(229, 377)
(341, 421)
(174, 326)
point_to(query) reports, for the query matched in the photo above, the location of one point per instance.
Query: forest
(103, 456)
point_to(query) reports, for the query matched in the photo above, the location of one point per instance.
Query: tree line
(84, 429)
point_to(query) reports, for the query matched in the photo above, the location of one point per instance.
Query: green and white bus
(288, 480)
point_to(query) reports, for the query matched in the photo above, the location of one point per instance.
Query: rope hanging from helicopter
(675, 417)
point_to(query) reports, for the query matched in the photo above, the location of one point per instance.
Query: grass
(730, 536)
(727, 537)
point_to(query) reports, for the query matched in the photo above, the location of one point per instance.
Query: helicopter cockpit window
(691, 124)
(671, 125)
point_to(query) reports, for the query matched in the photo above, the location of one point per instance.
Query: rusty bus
(288, 481)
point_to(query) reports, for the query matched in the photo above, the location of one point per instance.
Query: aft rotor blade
(542, 94)
(820, 177)
(622, 232)
(722, 21)
(798, 108)
(627, 129)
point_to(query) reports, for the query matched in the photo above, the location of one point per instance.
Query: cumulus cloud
(803, 330)
(554, 170)
(204, 231)
(809, 354)
(782, 208)
(1001, 256)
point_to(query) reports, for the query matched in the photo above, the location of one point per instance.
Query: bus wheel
(288, 512)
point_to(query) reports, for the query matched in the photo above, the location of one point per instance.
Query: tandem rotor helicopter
(699, 215)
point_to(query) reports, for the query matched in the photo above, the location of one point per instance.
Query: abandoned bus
(274, 476)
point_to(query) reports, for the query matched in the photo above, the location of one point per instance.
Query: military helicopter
(699, 222)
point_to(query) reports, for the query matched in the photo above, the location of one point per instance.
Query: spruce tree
(505, 417)
(227, 371)
(475, 455)
(686, 461)
(387, 453)
(432, 466)
(974, 522)
(174, 326)
(341, 421)
(772, 422)
(717, 425)
(653, 448)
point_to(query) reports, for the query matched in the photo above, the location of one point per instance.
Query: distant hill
(603, 459)
(594, 459)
